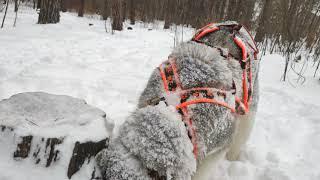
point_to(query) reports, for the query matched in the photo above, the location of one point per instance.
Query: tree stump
(53, 130)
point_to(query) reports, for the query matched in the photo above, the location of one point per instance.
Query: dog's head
(222, 35)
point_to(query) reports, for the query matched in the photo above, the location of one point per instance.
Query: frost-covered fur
(152, 139)
(153, 142)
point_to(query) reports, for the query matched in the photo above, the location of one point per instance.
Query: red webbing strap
(242, 106)
(205, 31)
(191, 130)
(185, 115)
(175, 73)
(205, 97)
(205, 100)
(243, 48)
(247, 71)
(245, 99)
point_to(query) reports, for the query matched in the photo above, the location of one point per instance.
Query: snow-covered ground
(110, 71)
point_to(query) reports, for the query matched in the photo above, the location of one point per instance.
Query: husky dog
(180, 123)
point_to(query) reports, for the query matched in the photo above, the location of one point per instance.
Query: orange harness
(171, 83)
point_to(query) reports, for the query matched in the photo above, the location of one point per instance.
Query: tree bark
(81, 9)
(116, 14)
(106, 10)
(49, 11)
(132, 12)
(64, 5)
(123, 10)
(15, 5)
(167, 15)
(39, 4)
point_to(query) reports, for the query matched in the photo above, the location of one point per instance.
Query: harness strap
(205, 100)
(171, 83)
(245, 61)
(169, 73)
(242, 46)
(206, 31)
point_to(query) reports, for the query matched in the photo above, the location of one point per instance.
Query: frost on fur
(199, 65)
(116, 162)
(153, 138)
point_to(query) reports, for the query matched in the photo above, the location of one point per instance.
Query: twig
(32, 122)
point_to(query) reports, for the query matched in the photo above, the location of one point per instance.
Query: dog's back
(218, 130)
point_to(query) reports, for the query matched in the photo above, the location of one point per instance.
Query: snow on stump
(57, 132)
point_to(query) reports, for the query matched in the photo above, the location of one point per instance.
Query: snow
(47, 115)
(110, 71)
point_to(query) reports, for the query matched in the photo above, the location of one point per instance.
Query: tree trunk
(81, 9)
(64, 5)
(106, 10)
(132, 12)
(16, 10)
(5, 13)
(49, 11)
(116, 14)
(167, 16)
(15, 5)
(123, 10)
(166, 24)
(39, 4)
(315, 72)
(284, 76)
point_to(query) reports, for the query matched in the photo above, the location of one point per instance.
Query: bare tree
(15, 5)
(116, 14)
(167, 15)
(34, 4)
(315, 72)
(124, 10)
(132, 12)
(64, 5)
(5, 13)
(16, 8)
(106, 9)
(39, 4)
(49, 11)
(281, 26)
(81, 8)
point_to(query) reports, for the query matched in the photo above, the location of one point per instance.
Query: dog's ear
(222, 39)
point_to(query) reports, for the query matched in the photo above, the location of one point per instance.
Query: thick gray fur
(154, 137)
